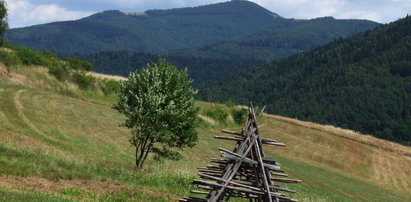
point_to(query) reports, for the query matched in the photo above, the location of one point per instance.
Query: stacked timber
(244, 172)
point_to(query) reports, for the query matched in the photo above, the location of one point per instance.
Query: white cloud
(22, 13)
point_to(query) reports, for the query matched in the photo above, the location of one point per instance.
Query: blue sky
(30, 12)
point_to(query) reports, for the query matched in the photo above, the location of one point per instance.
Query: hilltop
(63, 143)
(361, 82)
(162, 31)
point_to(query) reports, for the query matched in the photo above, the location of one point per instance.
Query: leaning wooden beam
(233, 156)
(270, 142)
(231, 132)
(279, 174)
(213, 184)
(198, 192)
(229, 182)
(220, 161)
(229, 138)
(204, 187)
(285, 180)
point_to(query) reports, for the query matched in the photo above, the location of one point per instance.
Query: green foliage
(83, 80)
(3, 21)
(9, 58)
(159, 107)
(77, 64)
(217, 113)
(110, 86)
(239, 115)
(29, 57)
(199, 69)
(361, 83)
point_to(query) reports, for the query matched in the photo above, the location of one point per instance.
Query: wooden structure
(244, 172)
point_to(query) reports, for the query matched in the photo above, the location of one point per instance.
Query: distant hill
(200, 70)
(161, 31)
(362, 83)
(277, 42)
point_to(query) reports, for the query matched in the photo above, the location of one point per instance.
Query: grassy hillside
(59, 143)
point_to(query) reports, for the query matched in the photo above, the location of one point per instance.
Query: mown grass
(53, 131)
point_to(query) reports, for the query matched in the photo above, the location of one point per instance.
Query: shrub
(78, 64)
(59, 71)
(9, 58)
(239, 115)
(83, 80)
(217, 113)
(110, 86)
(30, 57)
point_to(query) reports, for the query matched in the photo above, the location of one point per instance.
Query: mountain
(362, 83)
(201, 70)
(161, 31)
(61, 143)
(281, 42)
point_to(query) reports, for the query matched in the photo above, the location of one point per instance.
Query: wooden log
(231, 132)
(275, 144)
(208, 168)
(286, 180)
(210, 171)
(220, 161)
(269, 161)
(278, 188)
(204, 187)
(193, 199)
(229, 182)
(279, 174)
(215, 167)
(233, 156)
(229, 138)
(213, 184)
(199, 192)
(268, 141)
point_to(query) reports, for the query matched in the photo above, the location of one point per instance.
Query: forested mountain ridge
(281, 42)
(161, 31)
(200, 70)
(362, 83)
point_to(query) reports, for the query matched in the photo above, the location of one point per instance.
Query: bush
(218, 114)
(9, 58)
(77, 64)
(59, 71)
(110, 86)
(83, 80)
(30, 57)
(239, 115)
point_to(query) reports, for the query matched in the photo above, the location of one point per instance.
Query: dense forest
(362, 83)
(284, 41)
(199, 69)
(162, 31)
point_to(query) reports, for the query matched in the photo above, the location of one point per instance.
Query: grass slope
(62, 144)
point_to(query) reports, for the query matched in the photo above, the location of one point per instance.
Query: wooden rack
(244, 172)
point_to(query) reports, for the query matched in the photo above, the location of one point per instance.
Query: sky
(23, 13)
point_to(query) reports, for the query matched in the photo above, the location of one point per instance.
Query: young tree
(3, 22)
(158, 102)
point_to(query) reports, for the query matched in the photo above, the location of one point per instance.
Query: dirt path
(21, 114)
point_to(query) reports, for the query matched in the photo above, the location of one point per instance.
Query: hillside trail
(20, 112)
